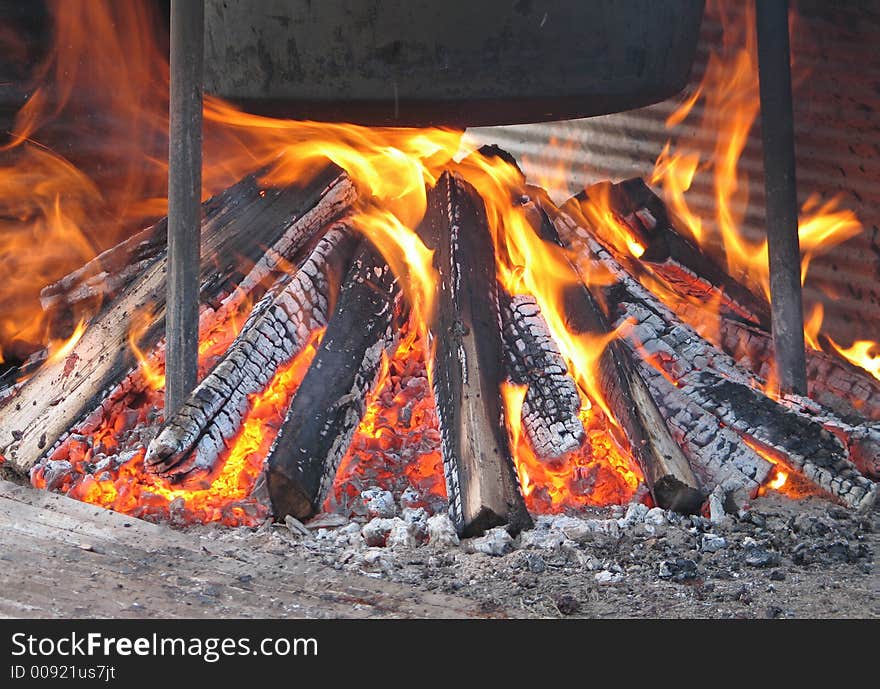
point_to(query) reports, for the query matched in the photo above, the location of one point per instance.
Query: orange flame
(863, 353)
(813, 325)
(730, 104)
(782, 478)
(598, 211)
(59, 351)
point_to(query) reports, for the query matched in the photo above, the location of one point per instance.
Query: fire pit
(380, 310)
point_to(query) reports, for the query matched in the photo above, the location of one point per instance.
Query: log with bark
(551, 407)
(481, 482)
(44, 407)
(332, 398)
(715, 453)
(835, 383)
(279, 325)
(698, 279)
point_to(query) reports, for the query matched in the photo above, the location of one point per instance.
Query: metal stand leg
(777, 126)
(184, 201)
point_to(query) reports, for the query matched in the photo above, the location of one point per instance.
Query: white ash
(495, 542)
(635, 513)
(687, 567)
(326, 520)
(712, 543)
(402, 534)
(441, 531)
(296, 527)
(716, 505)
(375, 531)
(606, 577)
(379, 503)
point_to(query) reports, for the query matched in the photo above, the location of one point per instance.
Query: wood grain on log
(111, 271)
(48, 404)
(481, 482)
(550, 411)
(332, 397)
(278, 327)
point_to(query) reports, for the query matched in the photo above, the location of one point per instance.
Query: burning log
(670, 254)
(843, 387)
(481, 482)
(111, 271)
(552, 403)
(711, 380)
(277, 328)
(718, 455)
(666, 468)
(744, 318)
(332, 398)
(45, 406)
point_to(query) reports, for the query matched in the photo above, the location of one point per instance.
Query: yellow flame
(813, 326)
(527, 264)
(598, 211)
(58, 351)
(151, 368)
(862, 353)
(513, 396)
(674, 173)
(729, 91)
(407, 256)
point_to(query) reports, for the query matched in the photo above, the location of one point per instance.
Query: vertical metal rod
(777, 127)
(184, 201)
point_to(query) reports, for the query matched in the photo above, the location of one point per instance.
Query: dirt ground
(781, 559)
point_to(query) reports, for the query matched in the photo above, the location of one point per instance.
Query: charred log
(552, 403)
(278, 327)
(666, 468)
(42, 408)
(717, 454)
(481, 482)
(714, 382)
(839, 385)
(332, 398)
(668, 252)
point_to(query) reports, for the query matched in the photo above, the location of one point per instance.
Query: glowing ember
(397, 445)
(598, 473)
(779, 481)
(107, 463)
(783, 478)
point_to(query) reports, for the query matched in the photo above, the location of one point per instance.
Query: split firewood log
(254, 222)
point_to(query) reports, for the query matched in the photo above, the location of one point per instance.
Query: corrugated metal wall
(837, 125)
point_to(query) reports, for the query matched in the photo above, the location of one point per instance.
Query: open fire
(407, 283)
